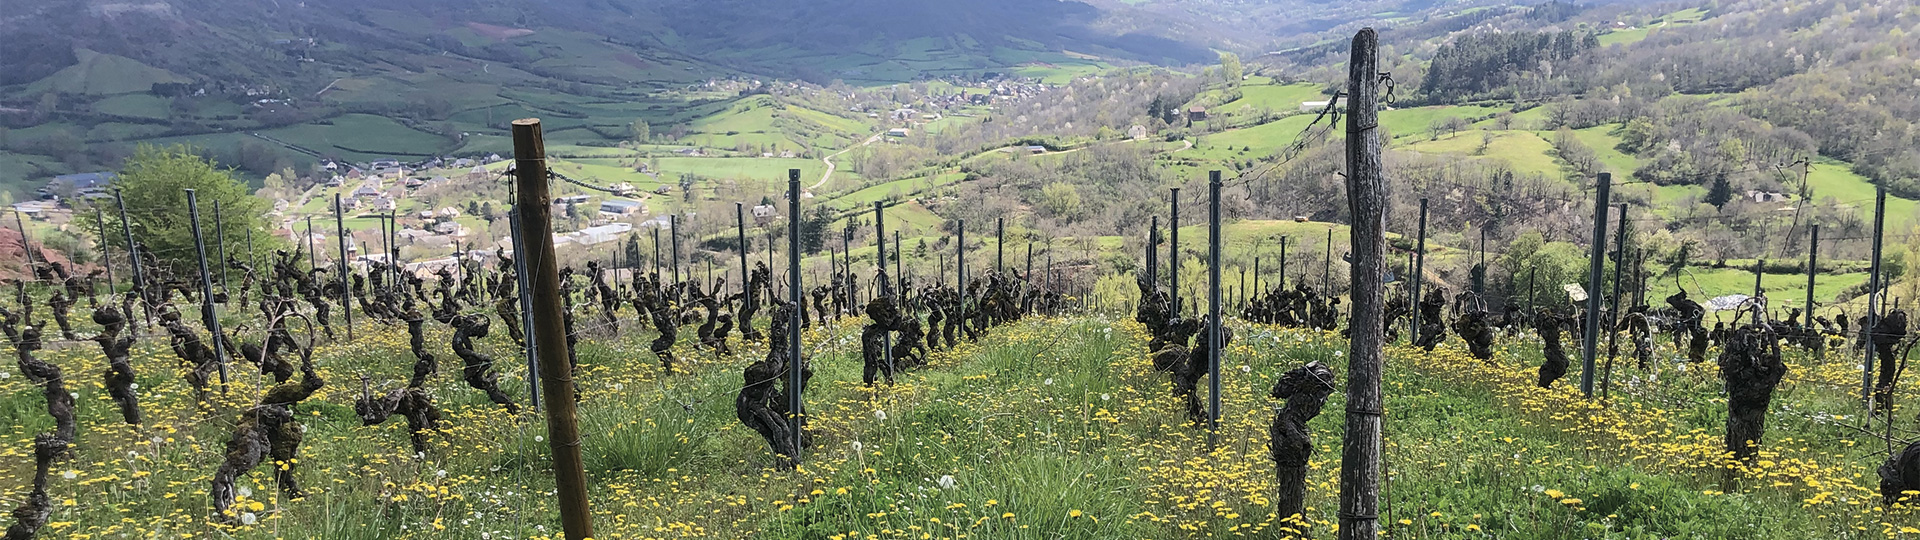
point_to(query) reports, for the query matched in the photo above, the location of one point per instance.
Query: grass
(1632, 35)
(103, 74)
(362, 137)
(1836, 179)
(1047, 428)
(1524, 151)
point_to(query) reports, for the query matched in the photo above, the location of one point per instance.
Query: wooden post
(1367, 200)
(1596, 260)
(999, 244)
(556, 379)
(656, 253)
(794, 381)
(207, 315)
(1759, 271)
(1214, 341)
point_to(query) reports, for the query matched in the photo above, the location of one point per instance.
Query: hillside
(1090, 446)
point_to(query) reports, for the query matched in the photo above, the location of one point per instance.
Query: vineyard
(373, 397)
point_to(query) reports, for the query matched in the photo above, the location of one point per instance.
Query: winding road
(829, 160)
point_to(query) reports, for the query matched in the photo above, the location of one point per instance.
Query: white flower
(1246, 368)
(537, 438)
(69, 475)
(1048, 382)
(1536, 487)
(248, 518)
(946, 481)
(442, 473)
(133, 386)
(76, 395)
(618, 387)
(857, 447)
(879, 415)
(486, 536)
(245, 491)
(132, 454)
(1339, 353)
(1105, 397)
(4, 375)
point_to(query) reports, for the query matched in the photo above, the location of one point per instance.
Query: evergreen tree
(634, 255)
(1720, 192)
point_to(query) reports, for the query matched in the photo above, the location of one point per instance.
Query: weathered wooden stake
(1359, 517)
(556, 379)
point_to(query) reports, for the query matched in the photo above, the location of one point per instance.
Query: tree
(634, 255)
(813, 231)
(640, 131)
(154, 182)
(1231, 70)
(1061, 200)
(1720, 192)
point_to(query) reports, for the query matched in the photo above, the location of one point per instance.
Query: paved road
(829, 160)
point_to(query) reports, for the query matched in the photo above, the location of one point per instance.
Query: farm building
(621, 207)
(601, 234)
(83, 185)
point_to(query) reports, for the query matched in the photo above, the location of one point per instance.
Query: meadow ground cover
(1048, 428)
